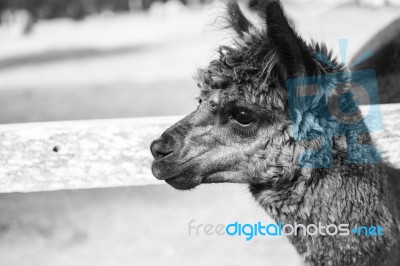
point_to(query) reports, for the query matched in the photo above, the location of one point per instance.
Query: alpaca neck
(353, 194)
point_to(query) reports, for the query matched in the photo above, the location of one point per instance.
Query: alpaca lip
(172, 178)
(164, 170)
(165, 155)
(179, 175)
(165, 160)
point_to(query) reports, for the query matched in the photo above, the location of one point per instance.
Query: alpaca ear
(292, 50)
(236, 19)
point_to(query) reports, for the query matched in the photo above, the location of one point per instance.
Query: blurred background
(96, 59)
(87, 59)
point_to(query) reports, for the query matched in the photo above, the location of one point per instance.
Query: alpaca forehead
(222, 96)
(264, 93)
(245, 72)
(251, 99)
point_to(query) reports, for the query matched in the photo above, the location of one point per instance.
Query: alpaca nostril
(159, 150)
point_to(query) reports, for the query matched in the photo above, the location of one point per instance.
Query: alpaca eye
(242, 116)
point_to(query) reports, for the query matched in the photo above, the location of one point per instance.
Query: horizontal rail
(109, 153)
(78, 154)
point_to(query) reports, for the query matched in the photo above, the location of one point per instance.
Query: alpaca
(242, 132)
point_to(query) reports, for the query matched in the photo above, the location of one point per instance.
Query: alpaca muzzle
(160, 150)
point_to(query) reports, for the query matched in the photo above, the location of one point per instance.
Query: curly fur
(252, 72)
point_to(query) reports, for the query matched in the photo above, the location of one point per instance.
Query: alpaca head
(240, 132)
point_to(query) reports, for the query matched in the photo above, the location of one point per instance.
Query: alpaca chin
(182, 183)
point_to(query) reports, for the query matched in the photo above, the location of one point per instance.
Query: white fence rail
(81, 154)
(109, 153)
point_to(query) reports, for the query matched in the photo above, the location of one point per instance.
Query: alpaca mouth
(179, 175)
(184, 180)
(165, 170)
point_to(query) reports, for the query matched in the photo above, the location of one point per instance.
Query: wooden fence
(109, 153)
